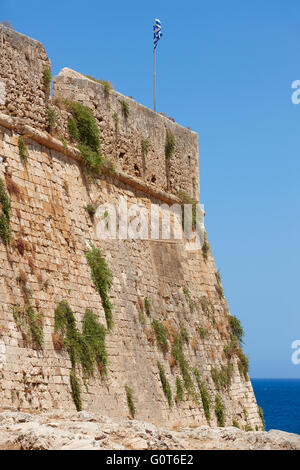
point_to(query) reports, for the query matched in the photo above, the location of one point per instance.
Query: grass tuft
(23, 149)
(125, 109)
(103, 279)
(220, 411)
(5, 205)
(130, 402)
(47, 77)
(161, 336)
(169, 144)
(165, 384)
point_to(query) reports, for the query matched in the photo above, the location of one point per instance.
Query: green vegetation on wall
(179, 390)
(76, 390)
(130, 401)
(85, 349)
(116, 121)
(243, 364)
(23, 150)
(165, 383)
(91, 210)
(147, 307)
(189, 298)
(145, 147)
(205, 246)
(206, 401)
(261, 415)
(236, 327)
(30, 323)
(5, 230)
(84, 130)
(107, 86)
(47, 77)
(125, 109)
(102, 278)
(202, 332)
(220, 411)
(169, 144)
(178, 354)
(234, 346)
(161, 336)
(53, 118)
(222, 378)
(219, 287)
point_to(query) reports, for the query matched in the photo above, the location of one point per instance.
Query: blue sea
(280, 401)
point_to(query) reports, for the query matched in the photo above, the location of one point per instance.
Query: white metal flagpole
(154, 59)
(157, 36)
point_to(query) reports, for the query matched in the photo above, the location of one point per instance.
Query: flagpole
(154, 89)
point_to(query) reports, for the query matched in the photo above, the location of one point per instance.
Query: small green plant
(30, 323)
(189, 298)
(47, 77)
(179, 390)
(83, 129)
(261, 415)
(248, 428)
(5, 230)
(161, 336)
(73, 130)
(103, 279)
(147, 306)
(202, 332)
(220, 411)
(206, 401)
(125, 109)
(170, 144)
(106, 85)
(85, 349)
(178, 354)
(236, 327)
(165, 384)
(94, 334)
(145, 147)
(205, 247)
(219, 287)
(142, 318)
(232, 348)
(116, 121)
(53, 119)
(130, 402)
(206, 305)
(91, 210)
(23, 149)
(185, 338)
(222, 378)
(76, 390)
(235, 424)
(243, 364)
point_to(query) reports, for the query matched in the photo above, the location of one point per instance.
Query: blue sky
(225, 69)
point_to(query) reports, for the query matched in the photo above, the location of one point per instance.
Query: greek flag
(157, 32)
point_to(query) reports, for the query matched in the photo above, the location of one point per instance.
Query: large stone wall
(51, 230)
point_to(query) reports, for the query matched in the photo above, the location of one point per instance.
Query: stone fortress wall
(51, 230)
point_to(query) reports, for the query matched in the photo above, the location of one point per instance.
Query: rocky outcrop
(86, 431)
